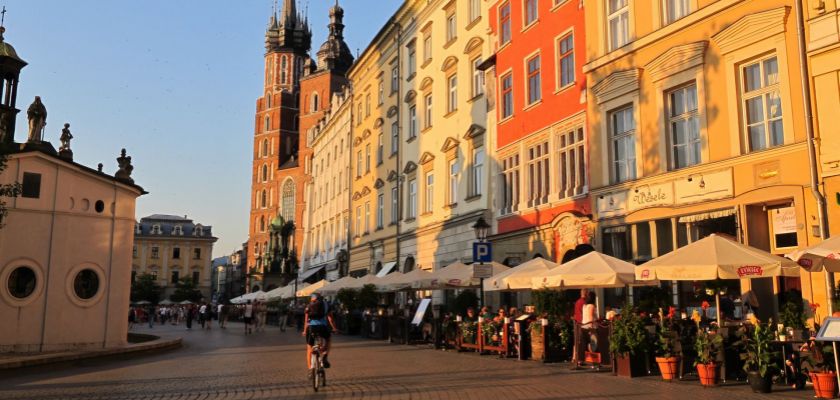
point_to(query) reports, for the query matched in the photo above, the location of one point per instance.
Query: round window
(86, 284)
(99, 206)
(22, 282)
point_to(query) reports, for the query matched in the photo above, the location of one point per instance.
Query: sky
(174, 82)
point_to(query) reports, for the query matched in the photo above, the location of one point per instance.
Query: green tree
(186, 289)
(144, 288)
(463, 301)
(367, 297)
(9, 190)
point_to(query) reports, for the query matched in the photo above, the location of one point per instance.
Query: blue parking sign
(482, 252)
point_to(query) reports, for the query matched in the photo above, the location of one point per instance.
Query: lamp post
(481, 228)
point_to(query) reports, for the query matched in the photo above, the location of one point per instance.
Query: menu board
(830, 330)
(421, 310)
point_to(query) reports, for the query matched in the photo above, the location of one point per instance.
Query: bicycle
(317, 372)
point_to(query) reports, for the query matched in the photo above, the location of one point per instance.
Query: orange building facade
(541, 160)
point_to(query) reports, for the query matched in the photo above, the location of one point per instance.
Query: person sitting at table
(485, 313)
(500, 318)
(727, 307)
(471, 317)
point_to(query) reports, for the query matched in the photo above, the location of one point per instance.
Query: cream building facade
(696, 123)
(445, 157)
(172, 248)
(327, 212)
(377, 132)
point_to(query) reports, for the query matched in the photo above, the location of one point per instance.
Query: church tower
(276, 140)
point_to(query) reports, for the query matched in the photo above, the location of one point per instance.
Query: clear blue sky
(172, 81)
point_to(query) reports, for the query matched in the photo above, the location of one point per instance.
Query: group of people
(204, 313)
(254, 314)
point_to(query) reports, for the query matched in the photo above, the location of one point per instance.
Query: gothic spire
(289, 14)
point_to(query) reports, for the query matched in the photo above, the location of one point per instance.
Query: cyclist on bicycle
(318, 321)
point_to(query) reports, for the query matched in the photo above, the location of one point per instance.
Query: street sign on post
(482, 271)
(482, 252)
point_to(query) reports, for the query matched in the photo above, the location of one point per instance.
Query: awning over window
(308, 273)
(386, 269)
(707, 215)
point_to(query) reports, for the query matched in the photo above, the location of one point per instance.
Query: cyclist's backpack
(317, 310)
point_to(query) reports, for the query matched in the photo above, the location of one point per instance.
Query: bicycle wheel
(314, 375)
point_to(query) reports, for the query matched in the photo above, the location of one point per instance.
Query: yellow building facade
(696, 124)
(374, 203)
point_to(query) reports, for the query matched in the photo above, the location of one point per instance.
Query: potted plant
(760, 363)
(707, 346)
(629, 343)
(667, 358)
(468, 332)
(535, 329)
(822, 370)
(792, 315)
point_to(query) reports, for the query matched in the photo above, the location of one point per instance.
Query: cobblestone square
(227, 364)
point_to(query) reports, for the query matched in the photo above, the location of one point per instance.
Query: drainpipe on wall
(812, 157)
(399, 137)
(822, 214)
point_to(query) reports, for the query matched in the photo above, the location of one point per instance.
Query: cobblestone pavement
(226, 364)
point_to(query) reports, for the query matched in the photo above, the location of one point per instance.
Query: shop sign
(646, 196)
(612, 204)
(698, 188)
(784, 220)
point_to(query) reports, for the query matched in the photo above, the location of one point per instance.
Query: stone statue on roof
(37, 114)
(125, 167)
(66, 136)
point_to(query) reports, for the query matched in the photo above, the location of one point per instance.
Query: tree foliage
(7, 190)
(463, 301)
(144, 288)
(186, 289)
(367, 297)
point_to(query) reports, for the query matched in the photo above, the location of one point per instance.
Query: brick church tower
(297, 92)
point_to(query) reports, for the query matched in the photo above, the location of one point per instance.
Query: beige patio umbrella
(305, 292)
(519, 277)
(360, 282)
(716, 257)
(821, 256)
(456, 275)
(406, 281)
(384, 283)
(332, 288)
(593, 270)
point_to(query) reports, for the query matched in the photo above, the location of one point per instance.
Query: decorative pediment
(473, 45)
(450, 144)
(365, 191)
(677, 59)
(616, 84)
(357, 196)
(750, 29)
(366, 134)
(379, 183)
(379, 122)
(357, 141)
(392, 112)
(426, 158)
(410, 96)
(409, 167)
(448, 63)
(392, 176)
(426, 84)
(474, 131)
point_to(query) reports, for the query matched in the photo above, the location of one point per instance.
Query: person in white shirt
(248, 316)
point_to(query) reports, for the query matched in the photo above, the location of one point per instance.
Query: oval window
(86, 284)
(22, 282)
(99, 206)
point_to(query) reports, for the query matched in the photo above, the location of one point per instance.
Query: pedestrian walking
(132, 317)
(150, 315)
(222, 312)
(282, 315)
(190, 314)
(248, 316)
(261, 315)
(202, 315)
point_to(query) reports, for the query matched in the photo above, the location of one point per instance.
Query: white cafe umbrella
(332, 288)
(716, 257)
(456, 275)
(305, 292)
(407, 280)
(519, 277)
(823, 255)
(592, 270)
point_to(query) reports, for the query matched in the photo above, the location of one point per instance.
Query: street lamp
(481, 227)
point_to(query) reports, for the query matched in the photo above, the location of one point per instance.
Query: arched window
(268, 100)
(315, 103)
(265, 148)
(262, 223)
(264, 199)
(265, 173)
(267, 122)
(283, 64)
(288, 210)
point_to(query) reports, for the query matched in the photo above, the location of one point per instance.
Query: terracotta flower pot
(825, 384)
(669, 367)
(708, 374)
